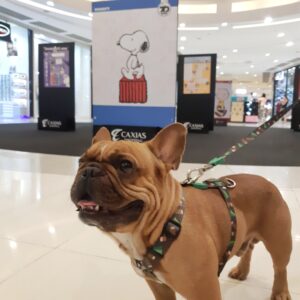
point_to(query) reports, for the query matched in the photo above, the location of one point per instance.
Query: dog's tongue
(84, 204)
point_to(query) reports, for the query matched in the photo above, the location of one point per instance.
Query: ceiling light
(289, 44)
(255, 75)
(218, 67)
(224, 56)
(183, 38)
(252, 66)
(90, 14)
(181, 48)
(247, 73)
(221, 73)
(40, 36)
(54, 10)
(275, 61)
(50, 3)
(197, 28)
(280, 34)
(268, 20)
(235, 50)
(192, 9)
(224, 24)
(243, 6)
(181, 25)
(267, 54)
(264, 24)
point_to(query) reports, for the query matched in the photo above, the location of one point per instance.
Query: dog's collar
(156, 252)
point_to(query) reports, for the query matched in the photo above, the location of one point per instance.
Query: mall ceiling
(250, 36)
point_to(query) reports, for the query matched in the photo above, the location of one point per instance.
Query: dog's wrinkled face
(116, 181)
(105, 189)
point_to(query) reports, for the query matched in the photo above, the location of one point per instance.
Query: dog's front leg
(206, 289)
(161, 291)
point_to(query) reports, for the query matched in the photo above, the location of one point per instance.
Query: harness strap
(172, 230)
(223, 188)
(156, 252)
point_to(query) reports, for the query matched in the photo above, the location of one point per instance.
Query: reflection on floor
(46, 253)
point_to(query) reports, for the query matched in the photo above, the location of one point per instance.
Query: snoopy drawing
(135, 43)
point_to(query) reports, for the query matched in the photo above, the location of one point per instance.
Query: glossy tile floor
(47, 254)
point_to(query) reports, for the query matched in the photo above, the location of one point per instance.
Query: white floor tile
(71, 276)
(93, 242)
(14, 256)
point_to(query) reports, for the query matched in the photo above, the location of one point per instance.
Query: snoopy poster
(133, 85)
(134, 62)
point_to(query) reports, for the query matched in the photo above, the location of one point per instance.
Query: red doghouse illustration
(133, 85)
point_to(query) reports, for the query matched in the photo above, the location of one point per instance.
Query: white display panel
(134, 62)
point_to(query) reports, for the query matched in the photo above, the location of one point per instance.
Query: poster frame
(57, 104)
(196, 110)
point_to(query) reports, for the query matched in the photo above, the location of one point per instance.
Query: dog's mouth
(93, 209)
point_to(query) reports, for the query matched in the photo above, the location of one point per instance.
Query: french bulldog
(126, 189)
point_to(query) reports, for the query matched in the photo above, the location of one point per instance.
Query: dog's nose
(90, 172)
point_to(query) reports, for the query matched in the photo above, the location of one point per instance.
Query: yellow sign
(197, 75)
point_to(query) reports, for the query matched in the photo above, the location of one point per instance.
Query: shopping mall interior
(226, 69)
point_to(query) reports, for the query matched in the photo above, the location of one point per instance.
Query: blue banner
(133, 116)
(105, 6)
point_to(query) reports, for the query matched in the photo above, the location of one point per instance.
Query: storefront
(284, 89)
(19, 91)
(296, 110)
(15, 73)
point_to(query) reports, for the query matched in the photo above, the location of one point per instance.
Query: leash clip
(199, 173)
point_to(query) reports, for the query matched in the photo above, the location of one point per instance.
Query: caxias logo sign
(120, 134)
(5, 32)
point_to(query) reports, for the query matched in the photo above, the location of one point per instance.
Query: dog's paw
(282, 296)
(238, 274)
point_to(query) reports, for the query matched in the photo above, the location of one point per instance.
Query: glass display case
(284, 87)
(290, 85)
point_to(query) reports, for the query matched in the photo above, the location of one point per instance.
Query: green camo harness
(172, 229)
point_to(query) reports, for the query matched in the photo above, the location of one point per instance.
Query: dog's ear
(169, 144)
(102, 134)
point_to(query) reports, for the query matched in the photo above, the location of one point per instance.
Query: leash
(233, 149)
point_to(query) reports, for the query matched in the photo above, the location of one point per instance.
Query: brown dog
(125, 189)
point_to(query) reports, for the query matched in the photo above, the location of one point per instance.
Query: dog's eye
(126, 166)
(81, 160)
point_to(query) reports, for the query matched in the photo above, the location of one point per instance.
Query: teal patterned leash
(242, 143)
(253, 135)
